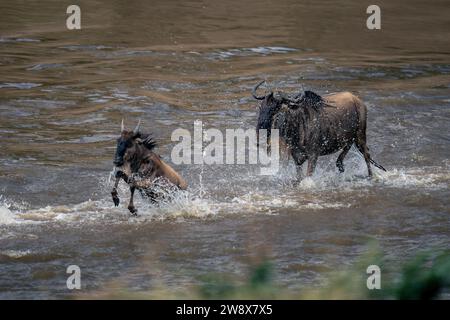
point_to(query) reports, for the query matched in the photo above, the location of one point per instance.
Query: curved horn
(256, 88)
(136, 130)
(122, 127)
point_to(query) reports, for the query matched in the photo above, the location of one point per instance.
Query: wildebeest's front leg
(299, 158)
(131, 207)
(312, 161)
(114, 193)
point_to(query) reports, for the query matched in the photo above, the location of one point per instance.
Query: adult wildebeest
(313, 126)
(141, 168)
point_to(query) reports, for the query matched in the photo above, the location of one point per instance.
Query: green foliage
(261, 276)
(424, 278)
(427, 276)
(216, 287)
(258, 285)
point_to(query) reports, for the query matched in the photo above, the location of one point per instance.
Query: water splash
(6, 216)
(245, 194)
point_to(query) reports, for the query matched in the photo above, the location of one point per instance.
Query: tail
(379, 166)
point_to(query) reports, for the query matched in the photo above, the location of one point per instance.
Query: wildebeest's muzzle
(269, 107)
(120, 152)
(123, 143)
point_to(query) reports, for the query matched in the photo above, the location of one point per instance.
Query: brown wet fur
(325, 130)
(142, 168)
(318, 126)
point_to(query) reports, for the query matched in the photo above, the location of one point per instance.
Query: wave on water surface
(312, 193)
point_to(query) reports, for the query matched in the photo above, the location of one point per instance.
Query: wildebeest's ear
(136, 135)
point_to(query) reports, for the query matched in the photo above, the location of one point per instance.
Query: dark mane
(148, 141)
(311, 99)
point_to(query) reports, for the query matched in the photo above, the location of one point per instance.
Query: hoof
(340, 167)
(116, 202)
(297, 181)
(133, 210)
(115, 198)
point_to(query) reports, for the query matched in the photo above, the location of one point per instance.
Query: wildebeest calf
(141, 168)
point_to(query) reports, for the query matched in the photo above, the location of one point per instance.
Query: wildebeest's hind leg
(362, 147)
(131, 207)
(340, 159)
(152, 196)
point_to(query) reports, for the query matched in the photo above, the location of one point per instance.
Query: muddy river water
(64, 92)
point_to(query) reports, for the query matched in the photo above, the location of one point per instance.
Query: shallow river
(63, 94)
